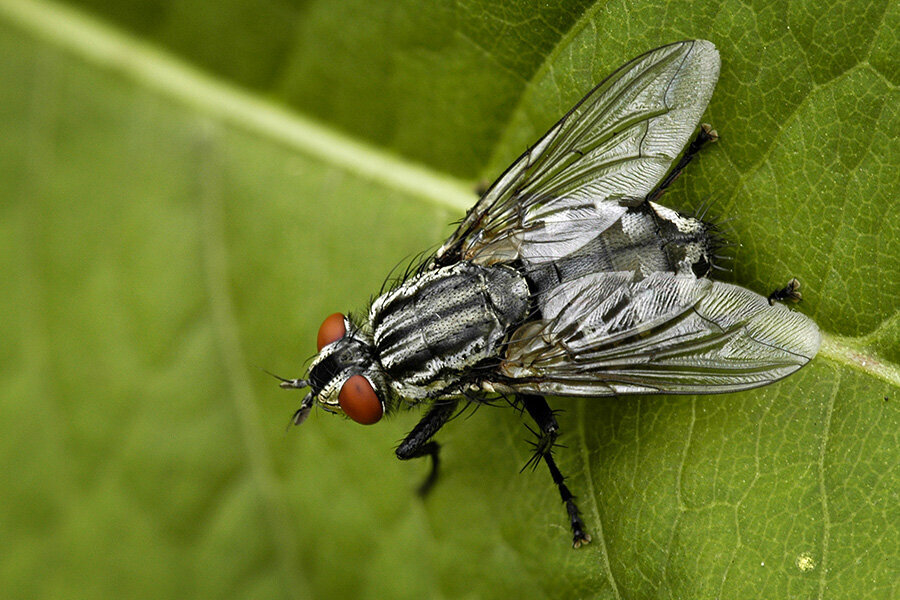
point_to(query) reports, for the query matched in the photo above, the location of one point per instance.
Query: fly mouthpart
(304, 410)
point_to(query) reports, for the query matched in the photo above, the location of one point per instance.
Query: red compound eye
(359, 401)
(331, 330)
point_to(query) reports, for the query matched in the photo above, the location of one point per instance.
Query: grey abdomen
(429, 331)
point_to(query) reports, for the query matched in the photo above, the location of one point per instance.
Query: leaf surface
(189, 190)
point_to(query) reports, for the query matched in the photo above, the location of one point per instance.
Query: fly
(567, 278)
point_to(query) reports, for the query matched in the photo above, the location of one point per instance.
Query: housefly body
(567, 278)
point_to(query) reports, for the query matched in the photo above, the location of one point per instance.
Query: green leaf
(189, 188)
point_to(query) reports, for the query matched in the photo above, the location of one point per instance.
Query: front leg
(417, 442)
(548, 430)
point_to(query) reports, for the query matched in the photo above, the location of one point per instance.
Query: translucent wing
(609, 152)
(605, 334)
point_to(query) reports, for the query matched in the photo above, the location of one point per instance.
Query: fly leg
(548, 431)
(704, 136)
(789, 293)
(418, 442)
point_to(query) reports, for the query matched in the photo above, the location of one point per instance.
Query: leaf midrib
(108, 48)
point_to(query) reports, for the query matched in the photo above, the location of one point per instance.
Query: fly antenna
(287, 383)
(294, 384)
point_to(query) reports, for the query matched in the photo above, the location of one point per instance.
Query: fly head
(344, 377)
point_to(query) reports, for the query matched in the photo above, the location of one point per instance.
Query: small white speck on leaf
(805, 562)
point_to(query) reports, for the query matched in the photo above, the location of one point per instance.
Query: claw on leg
(789, 293)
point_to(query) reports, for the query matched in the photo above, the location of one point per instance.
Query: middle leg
(548, 431)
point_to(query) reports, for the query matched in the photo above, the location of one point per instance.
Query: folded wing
(604, 334)
(607, 153)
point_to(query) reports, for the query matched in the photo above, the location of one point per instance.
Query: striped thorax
(430, 332)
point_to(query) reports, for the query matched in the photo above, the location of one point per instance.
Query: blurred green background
(189, 187)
